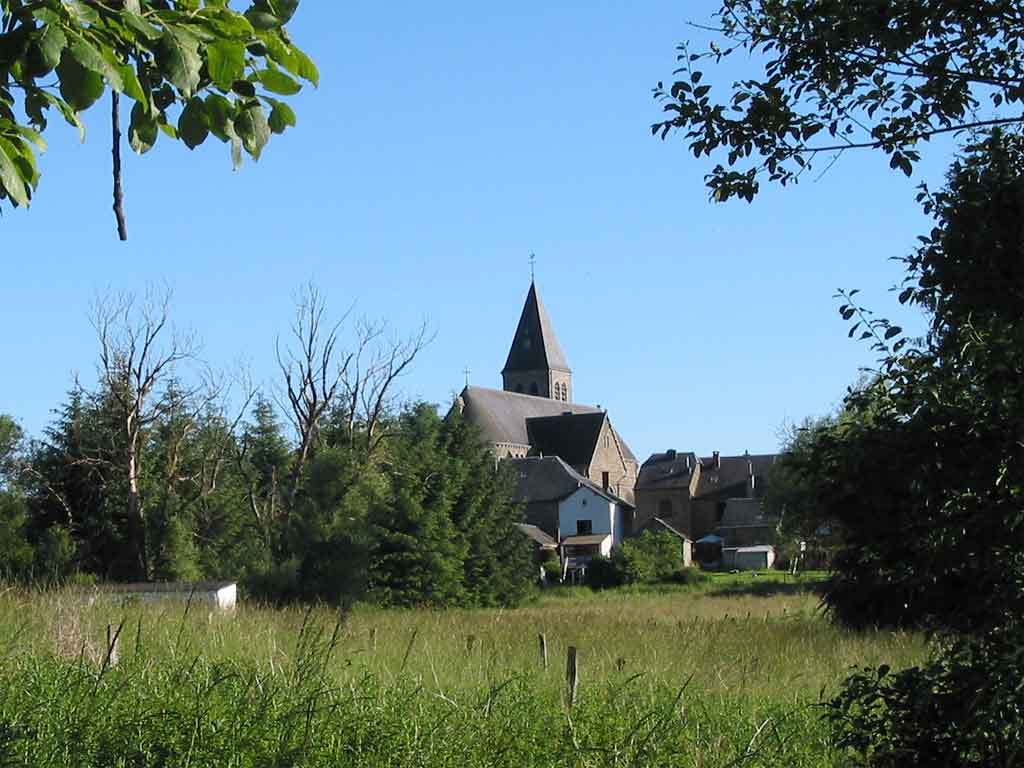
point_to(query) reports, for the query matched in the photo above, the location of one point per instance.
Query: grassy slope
(726, 672)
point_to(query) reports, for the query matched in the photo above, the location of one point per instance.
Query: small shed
(759, 558)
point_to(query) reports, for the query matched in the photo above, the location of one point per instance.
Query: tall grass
(682, 678)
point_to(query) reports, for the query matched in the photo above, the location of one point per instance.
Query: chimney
(716, 460)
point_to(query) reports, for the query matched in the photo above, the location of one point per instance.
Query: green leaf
(68, 112)
(219, 116)
(192, 128)
(262, 19)
(132, 86)
(894, 331)
(225, 61)
(281, 116)
(306, 68)
(140, 25)
(253, 129)
(51, 44)
(90, 58)
(278, 82)
(142, 133)
(32, 136)
(79, 86)
(11, 178)
(179, 59)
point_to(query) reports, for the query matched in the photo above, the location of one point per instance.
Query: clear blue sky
(447, 142)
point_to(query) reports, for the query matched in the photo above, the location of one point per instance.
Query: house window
(584, 527)
(665, 508)
(604, 480)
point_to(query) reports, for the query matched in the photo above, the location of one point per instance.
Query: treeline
(339, 493)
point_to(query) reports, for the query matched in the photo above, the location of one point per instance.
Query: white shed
(222, 595)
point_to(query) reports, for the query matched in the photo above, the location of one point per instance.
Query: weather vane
(466, 371)
(533, 261)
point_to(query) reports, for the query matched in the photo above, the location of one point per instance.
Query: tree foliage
(924, 470)
(191, 69)
(840, 75)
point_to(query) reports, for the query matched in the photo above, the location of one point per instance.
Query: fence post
(373, 638)
(572, 675)
(543, 649)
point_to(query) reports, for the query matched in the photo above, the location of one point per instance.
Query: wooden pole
(572, 675)
(543, 649)
(373, 638)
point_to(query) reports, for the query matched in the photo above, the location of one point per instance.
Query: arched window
(564, 392)
(533, 388)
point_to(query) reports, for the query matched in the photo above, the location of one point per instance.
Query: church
(533, 415)
(583, 489)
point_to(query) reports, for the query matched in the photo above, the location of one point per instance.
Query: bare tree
(312, 374)
(379, 361)
(319, 375)
(138, 354)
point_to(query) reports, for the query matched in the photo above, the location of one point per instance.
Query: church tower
(536, 364)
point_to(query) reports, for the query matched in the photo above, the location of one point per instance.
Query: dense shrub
(649, 557)
(964, 708)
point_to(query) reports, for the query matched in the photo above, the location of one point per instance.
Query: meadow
(727, 672)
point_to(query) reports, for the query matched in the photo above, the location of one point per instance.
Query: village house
(582, 486)
(564, 507)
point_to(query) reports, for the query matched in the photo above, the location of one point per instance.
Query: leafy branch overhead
(841, 75)
(192, 68)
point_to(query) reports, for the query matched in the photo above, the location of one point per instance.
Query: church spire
(536, 364)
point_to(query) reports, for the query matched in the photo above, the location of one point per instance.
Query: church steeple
(536, 364)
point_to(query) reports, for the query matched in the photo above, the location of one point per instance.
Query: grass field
(726, 672)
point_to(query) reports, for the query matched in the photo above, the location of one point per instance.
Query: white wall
(586, 504)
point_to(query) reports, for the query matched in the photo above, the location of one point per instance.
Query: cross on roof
(533, 261)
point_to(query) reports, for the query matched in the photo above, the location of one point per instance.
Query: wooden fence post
(373, 638)
(572, 675)
(543, 649)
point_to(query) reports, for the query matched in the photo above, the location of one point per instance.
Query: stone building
(701, 496)
(534, 413)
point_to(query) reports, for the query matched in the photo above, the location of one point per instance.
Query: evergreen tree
(498, 568)
(417, 555)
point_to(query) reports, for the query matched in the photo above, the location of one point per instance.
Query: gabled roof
(535, 347)
(539, 536)
(670, 529)
(667, 470)
(549, 478)
(571, 436)
(732, 472)
(501, 416)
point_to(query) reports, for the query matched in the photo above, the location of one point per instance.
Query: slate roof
(549, 478)
(572, 437)
(539, 536)
(535, 346)
(667, 470)
(501, 416)
(595, 539)
(733, 472)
